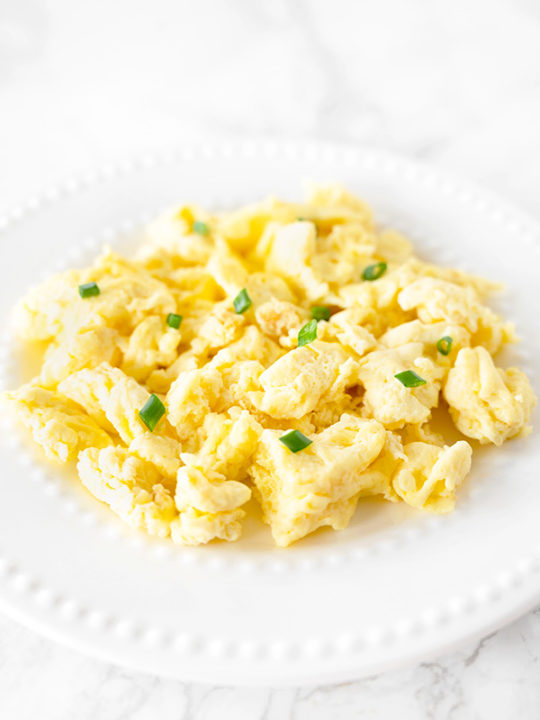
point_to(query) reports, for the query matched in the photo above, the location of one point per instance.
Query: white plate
(396, 586)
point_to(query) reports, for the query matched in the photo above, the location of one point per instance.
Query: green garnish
(410, 379)
(152, 412)
(444, 346)
(295, 441)
(320, 312)
(174, 320)
(374, 272)
(308, 333)
(242, 302)
(90, 289)
(200, 227)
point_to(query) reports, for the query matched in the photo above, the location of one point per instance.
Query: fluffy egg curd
(293, 353)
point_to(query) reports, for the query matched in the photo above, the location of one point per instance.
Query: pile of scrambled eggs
(293, 353)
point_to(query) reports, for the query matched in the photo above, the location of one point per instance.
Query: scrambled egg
(289, 353)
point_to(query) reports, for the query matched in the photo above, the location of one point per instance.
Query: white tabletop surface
(87, 83)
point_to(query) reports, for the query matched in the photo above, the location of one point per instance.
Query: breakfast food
(290, 353)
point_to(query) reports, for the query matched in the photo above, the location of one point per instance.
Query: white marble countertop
(82, 84)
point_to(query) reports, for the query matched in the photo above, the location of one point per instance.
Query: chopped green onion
(320, 312)
(444, 346)
(200, 227)
(152, 412)
(242, 302)
(300, 219)
(174, 320)
(410, 379)
(90, 289)
(374, 272)
(308, 333)
(295, 441)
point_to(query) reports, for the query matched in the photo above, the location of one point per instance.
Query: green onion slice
(242, 302)
(308, 333)
(444, 345)
(174, 320)
(410, 379)
(152, 412)
(374, 272)
(88, 290)
(295, 441)
(200, 227)
(320, 312)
